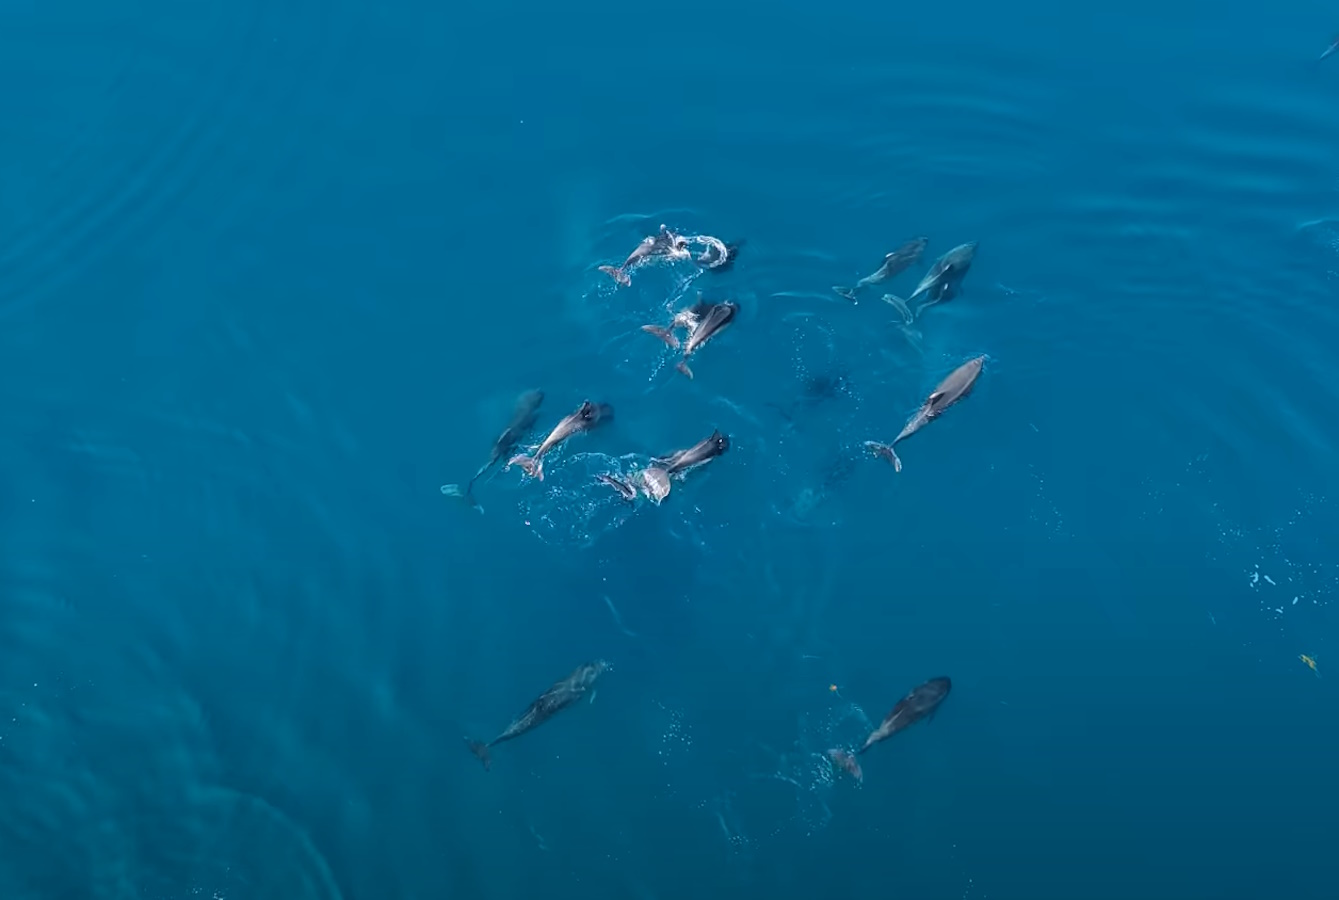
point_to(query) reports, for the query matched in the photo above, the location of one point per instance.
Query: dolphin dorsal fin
(930, 400)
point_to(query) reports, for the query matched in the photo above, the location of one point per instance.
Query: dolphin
(704, 451)
(894, 263)
(921, 703)
(941, 283)
(702, 320)
(957, 385)
(1329, 51)
(665, 243)
(523, 418)
(562, 694)
(587, 417)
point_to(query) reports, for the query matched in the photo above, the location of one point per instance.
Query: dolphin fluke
(663, 333)
(618, 274)
(900, 305)
(625, 490)
(885, 451)
(480, 749)
(683, 367)
(531, 466)
(459, 493)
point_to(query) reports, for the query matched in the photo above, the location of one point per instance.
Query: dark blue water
(271, 273)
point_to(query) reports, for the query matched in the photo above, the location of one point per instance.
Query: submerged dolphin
(523, 418)
(665, 243)
(941, 283)
(919, 704)
(894, 263)
(957, 385)
(1329, 51)
(703, 321)
(557, 698)
(587, 416)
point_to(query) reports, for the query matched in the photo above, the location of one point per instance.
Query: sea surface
(272, 273)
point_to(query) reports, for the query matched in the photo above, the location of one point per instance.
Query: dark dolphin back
(931, 694)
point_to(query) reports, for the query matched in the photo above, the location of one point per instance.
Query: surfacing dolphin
(654, 480)
(523, 418)
(703, 321)
(941, 283)
(665, 244)
(894, 263)
(568, 692)
(957, 385)
(588, 416)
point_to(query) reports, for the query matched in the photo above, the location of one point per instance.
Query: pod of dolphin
(701, 321)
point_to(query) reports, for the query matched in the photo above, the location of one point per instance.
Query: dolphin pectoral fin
(900, 305)
(592, 697)
(848, 293)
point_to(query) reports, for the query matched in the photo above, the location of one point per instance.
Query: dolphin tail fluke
(531, 466)
(900, 305)
(663, 333)
(625, 490)
(456, 492)
(885, 451)
(848, 293)
(480, 749)
(618, 274)
(683, 367)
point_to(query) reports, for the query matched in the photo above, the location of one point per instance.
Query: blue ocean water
(271, 273)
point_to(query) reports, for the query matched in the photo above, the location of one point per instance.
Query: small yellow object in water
(1310, 663)
(833, 688)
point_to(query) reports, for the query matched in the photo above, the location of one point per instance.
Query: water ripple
(124, 173)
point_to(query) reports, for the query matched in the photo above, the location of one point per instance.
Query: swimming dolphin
(587, 417)
(666, 243)
(941, 283)
(557, 698)
(894, 263)
(654, 480)
(1330, 49)
(704, 451)
(957, 385)
(703, 321)
(919, 704)
(523, 418)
